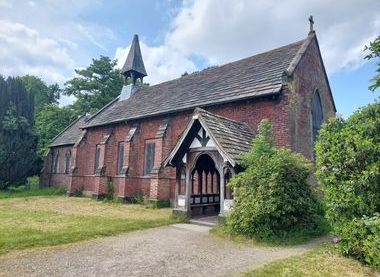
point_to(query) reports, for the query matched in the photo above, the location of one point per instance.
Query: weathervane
(311, 22)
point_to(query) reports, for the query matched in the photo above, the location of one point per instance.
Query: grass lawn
(320, 262)
(32, 192)
(51, 220)
(293, 239)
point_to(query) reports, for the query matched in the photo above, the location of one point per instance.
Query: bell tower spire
(134, 65)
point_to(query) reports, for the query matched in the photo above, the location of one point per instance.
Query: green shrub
(360, 238)
(138, 199)
(348, 161)
(78, 192)
(273, 198)
(33, 182)
(110, 189)
(20, 188)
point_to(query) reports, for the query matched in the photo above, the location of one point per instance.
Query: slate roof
(234, 137)
(255, 76)
(231, 137)
(71, 134)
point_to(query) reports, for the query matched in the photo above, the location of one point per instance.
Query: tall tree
(374, 52)
(43, 94)
(18, 141)
(95, 86)
(50, 121)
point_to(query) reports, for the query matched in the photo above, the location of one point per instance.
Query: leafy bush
(33, 182)
(17, 188)
(348, 160)
(360, 238)
(273, 198)
(110, 189)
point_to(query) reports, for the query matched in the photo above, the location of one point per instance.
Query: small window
(120, 158)
(149, 157)
(97, 157)
(68, 161)
(56, 162)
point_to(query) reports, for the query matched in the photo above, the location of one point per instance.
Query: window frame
(149, 163)
(56, 162)
(313, 118)
(97, 158)
(67, 162)
(120, 158)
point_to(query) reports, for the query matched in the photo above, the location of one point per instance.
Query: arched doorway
(204, 187)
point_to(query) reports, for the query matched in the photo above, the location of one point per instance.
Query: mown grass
(291, 238)
(323, 261)
(32, 192)
(52, 220)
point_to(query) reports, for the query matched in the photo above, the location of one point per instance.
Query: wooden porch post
(221, 191)
(188, 185)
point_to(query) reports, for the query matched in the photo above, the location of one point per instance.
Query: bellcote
(134, 65)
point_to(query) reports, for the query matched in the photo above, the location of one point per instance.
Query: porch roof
(231, 137)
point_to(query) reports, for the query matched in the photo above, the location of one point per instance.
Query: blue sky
(51, 39)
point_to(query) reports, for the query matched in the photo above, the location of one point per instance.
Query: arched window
(68, 161)
(97, 157)
(316, 115)
(120, 158)
(56, 162)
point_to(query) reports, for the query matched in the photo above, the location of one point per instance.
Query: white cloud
(221, 31)
(225, 30)
(25, 51)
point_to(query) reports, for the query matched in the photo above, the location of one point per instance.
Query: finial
(311, 22)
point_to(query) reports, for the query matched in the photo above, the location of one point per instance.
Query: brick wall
(60, 178)
(308, 78)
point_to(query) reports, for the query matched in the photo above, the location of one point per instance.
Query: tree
(17, 138)
(374, 52)
(348, 160)
(95, 86)
(272, 197)
(43, 94)
(50, 121)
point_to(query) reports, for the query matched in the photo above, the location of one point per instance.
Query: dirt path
(176, 250)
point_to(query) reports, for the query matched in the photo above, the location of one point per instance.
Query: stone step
(205, 221)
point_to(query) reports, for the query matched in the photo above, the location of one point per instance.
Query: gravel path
(176, 250)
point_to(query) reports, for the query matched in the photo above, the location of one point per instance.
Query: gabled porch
(206, 157)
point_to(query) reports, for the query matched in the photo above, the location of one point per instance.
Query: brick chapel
(178, 143)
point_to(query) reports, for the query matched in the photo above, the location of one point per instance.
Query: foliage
(50, 121)
(322, 261)
(22, 192)
(41, 221)
(374, 52)
(33, 182)
(18, 141)
(110, 189)
(348, 160)
(95, 86)
(43, 94)
(360, 238)
(273, 198)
